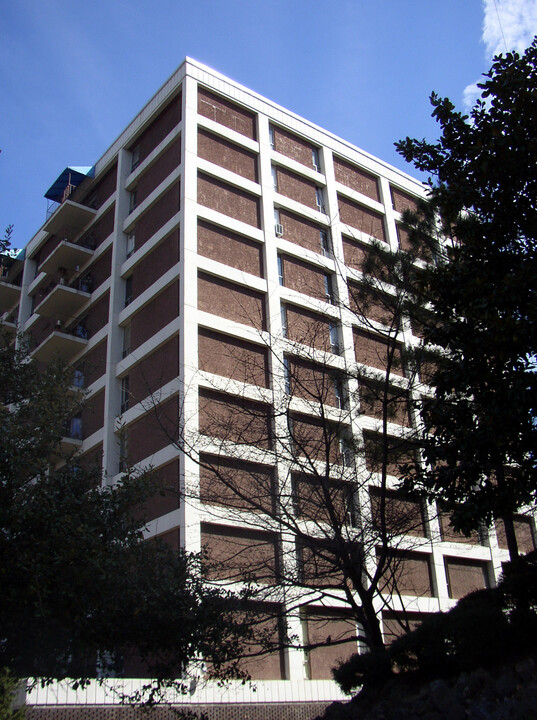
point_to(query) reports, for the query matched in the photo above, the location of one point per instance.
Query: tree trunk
(512, 544)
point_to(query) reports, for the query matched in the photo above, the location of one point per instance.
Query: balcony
(9, 293)
(68, 256)
(62, 302)
(69, 214)
(62, 345)
(8, 327)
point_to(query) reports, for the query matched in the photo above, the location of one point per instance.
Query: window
(325, 243)
(135, 152)
(123, 450)
(86, 283)
(278, 227)
(284, 321)
(345, 452)
(329, 288)
(315, 159)
(126, 341)
(319, 197)
(75, 427)
(275, 179)
(287, 375)
(131, 244)
(339, 394)
(78, 378)
(133, 201)
(128, 290)
(280, 269)
(124, 394)
(271, 137)
(334, 338)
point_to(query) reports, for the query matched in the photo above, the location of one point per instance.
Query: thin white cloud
(507, 25)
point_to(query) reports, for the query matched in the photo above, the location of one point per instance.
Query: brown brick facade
(226, 154)
(159, 171)
(229, 248)
(306, 278)
(223, 111)
(233, 358)
(235, 419)
(163, 124)
(293, 146)
(356, 178)
(234, 553)
(153, 266)
(229, 200)
(154, 371)
(362, 218)
(234, 302)
(158, 215)
(301, 231)
(155, 315)
(296, 188)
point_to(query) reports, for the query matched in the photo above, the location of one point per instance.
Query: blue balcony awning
(70, 176)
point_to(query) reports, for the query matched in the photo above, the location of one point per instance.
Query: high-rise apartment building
(201, 266)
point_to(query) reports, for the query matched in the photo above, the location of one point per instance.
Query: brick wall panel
(159, 128)
(373, 350)
(237, 484)
(154, 371)
(465, 576)
(297, 188)
(93, 364)
(153, 431)
(159, 170)
(231, 301)
(93, 414)
(374, 396)
(100, 270)
(303, 277)
(100, 190)
(230, 357)
(300, 231)
(355, 253)
(308, 328)
(340, 634)
(293, 146)
(239, 554)
(409, 574)
(158, 215)
(227, 155)
(99, 231)
(166, 497)
(312, 382)
(523, 533)
(155, 315)
(226, 113)
(403, 201)
(362, 218)
(356, 178)
(97, 315)
(231, 418)
(229, 248)
(402, 517)
(231, 201)
(155, 264)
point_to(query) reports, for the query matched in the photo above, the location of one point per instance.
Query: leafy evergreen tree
(478, 302)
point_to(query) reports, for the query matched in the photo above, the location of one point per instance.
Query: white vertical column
(114, 341)
(188, 337)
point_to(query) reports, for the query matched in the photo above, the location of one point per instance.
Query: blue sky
(73, 74)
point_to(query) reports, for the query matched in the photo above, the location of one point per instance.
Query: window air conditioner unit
(278, 229)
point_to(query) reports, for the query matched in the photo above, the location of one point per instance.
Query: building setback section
(201, 273)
